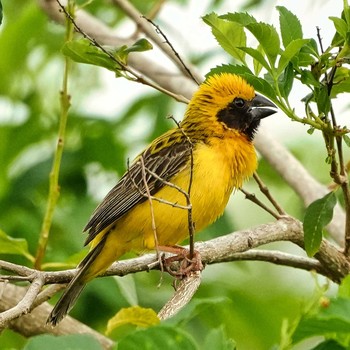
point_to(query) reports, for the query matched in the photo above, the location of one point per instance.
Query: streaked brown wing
(131, 190)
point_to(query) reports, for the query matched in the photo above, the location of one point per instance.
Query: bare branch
(34, 323)
(335, 265)
(24, 305)
(252, 197)
(182, 296)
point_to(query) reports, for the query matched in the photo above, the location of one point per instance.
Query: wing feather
(131, 189)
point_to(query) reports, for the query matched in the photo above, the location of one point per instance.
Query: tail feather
(75, 286)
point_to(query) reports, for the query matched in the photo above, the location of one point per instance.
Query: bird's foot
(182, 264)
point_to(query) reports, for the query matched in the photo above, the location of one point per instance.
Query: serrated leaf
(267, 37)
(83, 52)
(257, 55)
(256, 64)
(291, 50)
(289, 25)
(230, 68)
(318, 214)
(285, 80)
(242, 18)
(230, 35)
(134, 315)
(16, 246)
(340, 26)
(259, 84)
(158, 338)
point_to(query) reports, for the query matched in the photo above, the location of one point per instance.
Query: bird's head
(227, 101)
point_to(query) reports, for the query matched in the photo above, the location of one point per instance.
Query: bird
(211, 150)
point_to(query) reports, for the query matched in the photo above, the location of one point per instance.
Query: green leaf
(127, 288)
(217, 339)
(230, 35)
(139, 46)
(318, 214)
(322, 99)
(291, 50)
(344, 288)
(329, 345)
(256, 64)
(158, 338)
(134, 315)
(17, 246)
(346, 139)
(259, 84)
(242, 18)
(335, 318)
(83, 52)
(285, 81)
(71, 342)
(289, 25)
(268, 38)
(257, 55)
(340, 26)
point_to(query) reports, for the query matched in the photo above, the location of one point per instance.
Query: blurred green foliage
(243, 303)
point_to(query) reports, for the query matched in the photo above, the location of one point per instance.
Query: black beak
(260, 107)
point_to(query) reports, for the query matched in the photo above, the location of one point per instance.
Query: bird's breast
(218, 167)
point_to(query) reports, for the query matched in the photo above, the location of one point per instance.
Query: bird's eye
(239, 102)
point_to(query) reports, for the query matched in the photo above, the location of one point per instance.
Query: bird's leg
(185, 266)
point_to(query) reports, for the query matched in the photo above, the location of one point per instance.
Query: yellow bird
(214, 142)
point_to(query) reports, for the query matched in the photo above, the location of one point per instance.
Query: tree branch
(232, 247)
(35, 322)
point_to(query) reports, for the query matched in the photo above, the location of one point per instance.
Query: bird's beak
(260, 107)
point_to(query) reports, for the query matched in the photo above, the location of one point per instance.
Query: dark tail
(75, 287)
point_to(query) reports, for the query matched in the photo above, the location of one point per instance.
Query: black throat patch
(237, 115)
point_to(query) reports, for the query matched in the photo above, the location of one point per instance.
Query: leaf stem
(54, 190)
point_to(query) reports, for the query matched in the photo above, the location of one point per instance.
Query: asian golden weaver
(220, 122)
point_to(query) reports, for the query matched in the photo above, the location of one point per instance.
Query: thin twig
(154, 227)
(191, 227)
(338, 173)
(147, 29)
(160, 200)
(252, 197)
(264, 189)
(160, 32)
(136, 76)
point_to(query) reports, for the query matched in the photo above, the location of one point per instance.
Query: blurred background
(110, 121)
